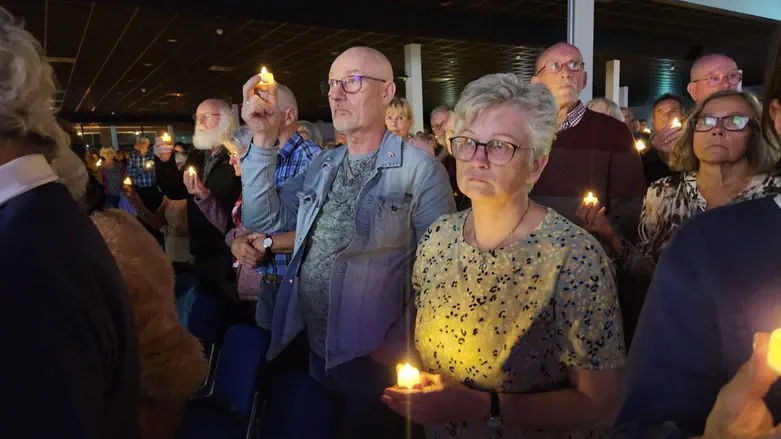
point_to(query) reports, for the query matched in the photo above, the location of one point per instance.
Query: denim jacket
(370, 288)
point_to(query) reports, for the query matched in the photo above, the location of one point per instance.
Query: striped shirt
(573, 117)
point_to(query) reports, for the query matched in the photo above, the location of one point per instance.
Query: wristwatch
(494, 417)
(267, 243)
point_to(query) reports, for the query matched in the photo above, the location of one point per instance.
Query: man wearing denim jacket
(358, 211)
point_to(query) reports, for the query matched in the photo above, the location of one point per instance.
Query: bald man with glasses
(358, 211)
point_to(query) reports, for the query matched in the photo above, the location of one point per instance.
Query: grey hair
(612, 108)
(314, 132)
(535, 100)
(142, 139)
(441, 108)
(26, 92)
(762, 156)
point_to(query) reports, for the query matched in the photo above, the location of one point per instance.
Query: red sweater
(598, 155)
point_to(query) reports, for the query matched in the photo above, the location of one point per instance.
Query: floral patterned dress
(670, 203)
(515, 319)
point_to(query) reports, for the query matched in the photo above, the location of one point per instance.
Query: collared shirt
(573, 117)
(293, 158)
(23, 175)
(137, 170)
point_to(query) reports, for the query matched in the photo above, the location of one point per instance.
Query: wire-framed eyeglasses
(554, 67)
(715, 79)
(734, 122)
(497, 152)
(350, 84)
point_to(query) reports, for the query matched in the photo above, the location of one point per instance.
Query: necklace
(483, 264)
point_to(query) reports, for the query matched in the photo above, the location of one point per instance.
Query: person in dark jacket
(211, 161)
(70, 353)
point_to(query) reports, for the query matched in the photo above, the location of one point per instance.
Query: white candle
(408, 376)
(266, 77)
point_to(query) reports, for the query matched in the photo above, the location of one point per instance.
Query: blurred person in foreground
(716, 286)
(358, 211)
(71, 354)
(606, 107)
(592, 152)
(518, 325)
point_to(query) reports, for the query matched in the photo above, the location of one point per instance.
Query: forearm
(262, 209)
(213, 212)
(568, 409)
(284, 242)
(153, 220)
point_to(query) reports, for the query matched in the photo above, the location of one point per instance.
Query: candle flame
(408, 376)
(640, 145)
(148, 164)
(676, 123)
(127, 181)
(647, 130)
(774, 351)
(266, 77)
(191, 171)
(590, 199)
(100, 162)
(166, 138)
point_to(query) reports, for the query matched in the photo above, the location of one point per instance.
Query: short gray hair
(612, 108)
(535, 100)
(440, 109)
(762, 156)
(26, 92)
(314, 132)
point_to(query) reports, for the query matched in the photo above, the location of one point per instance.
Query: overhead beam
(770, 9)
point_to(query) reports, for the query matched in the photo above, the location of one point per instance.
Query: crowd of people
(511, 256)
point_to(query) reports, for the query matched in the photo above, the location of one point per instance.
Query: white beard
(206, 140)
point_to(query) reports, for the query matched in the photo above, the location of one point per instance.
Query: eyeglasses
(715, 79)
(350, 84)
(204, 116)
(497, 152)
(554, 67)
(735, 122)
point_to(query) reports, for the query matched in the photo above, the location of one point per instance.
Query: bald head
(711, 73)
(565, 83)
(287, 100)
(371, 61)
(556, 50)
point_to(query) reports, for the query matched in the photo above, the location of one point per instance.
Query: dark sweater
(69, 350)
(207, 243)
(597, 155)
(717, 285)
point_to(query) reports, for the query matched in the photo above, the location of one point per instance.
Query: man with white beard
(210, 162)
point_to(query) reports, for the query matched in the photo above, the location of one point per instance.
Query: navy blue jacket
(68, 350)
(717, 285)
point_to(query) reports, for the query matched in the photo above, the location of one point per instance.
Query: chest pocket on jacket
(307, 208)
(394, 219)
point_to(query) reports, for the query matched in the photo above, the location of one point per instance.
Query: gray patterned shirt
(331, 234)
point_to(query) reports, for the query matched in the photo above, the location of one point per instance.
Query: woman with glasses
(398, 119)
(518, 328)
(723, 159)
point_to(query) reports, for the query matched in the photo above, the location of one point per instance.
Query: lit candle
(774, 351)
(100, 162)
(590, 199)
(166, 138)
(408, 376)
(640, 146)
(149, 164)
(676, 123)
(266, 77)
(127, 182)
(191, 171)
(647, 130)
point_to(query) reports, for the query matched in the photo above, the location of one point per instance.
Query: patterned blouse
(669, 204)
(514, 319)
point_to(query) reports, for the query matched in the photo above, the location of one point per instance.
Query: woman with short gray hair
(518, 328)
(607, 107)
(723, 159)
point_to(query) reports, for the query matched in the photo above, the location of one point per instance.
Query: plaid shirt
(293, 159)
(573, 117)
(137, 171)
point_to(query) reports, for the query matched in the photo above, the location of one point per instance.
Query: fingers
(754, 378)
(249, 87)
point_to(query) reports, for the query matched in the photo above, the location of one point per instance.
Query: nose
(336, 93)
(717, 130)
(479, 160)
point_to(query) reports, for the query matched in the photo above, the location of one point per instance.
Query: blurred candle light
(647, 130)
(166, 138)
(100, 162)
(408, 376)
(191, 171)
(676, 123)
(590, 199)
(266, 77)
(127, 182)
(149, 164)
(774, 351)
(640, 146)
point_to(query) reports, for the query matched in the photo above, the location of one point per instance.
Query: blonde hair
(612, 108)
(401, 104)
(105, 151)
(26, 92)
(761, 155)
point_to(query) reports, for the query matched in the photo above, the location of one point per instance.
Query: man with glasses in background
(359, 211)
(592, 152)
(141, 171)
(712, 73)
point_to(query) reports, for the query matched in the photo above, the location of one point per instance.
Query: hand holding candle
(408, 376)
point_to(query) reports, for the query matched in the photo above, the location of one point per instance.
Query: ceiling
(157, 59)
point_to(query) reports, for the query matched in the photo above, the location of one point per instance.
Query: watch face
(494, 422)
(267, 243)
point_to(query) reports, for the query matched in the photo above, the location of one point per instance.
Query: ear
(290, 116)
(692, 89)
(775, 114)
(585, 79)
(538, 166)
(388, 93)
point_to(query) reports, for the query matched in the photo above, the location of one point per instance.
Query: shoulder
(671, 184)
(733, 219)
(616, 133)
(445, 229)
(309, 149)
(576, 240)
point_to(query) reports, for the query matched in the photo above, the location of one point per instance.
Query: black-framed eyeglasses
(734, 122)
(350, 84)
(497, 152)
(714, 80)
(554, 67)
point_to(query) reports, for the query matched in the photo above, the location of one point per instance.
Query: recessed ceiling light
(221, 69)
(518, 57)
(172, 40)
(672, 68)
(131, 80)
(287, 72)
(112, 113)
(143, 90)
(119, 92)
(219, 31)
(147, 64)
(334, 53)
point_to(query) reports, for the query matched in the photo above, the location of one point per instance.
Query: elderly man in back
(592, 152)
(359, 211)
